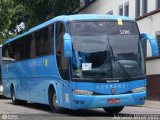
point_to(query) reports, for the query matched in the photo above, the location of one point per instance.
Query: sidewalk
(152, 104)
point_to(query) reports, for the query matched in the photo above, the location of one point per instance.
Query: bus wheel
(54, 102)
(113, 110)
(13, 97)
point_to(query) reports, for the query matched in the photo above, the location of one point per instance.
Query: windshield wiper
(106, 61)
(120, 65)
(109, 59)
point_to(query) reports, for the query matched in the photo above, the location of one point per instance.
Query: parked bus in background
(1, 88)
(77, 62)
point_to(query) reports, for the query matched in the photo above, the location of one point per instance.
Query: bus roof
(97, 17)
(66, 18)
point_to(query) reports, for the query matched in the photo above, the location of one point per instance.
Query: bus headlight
(82, 92)
(140, 89)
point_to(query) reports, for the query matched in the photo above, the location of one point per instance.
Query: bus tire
(54, 101)
(13, 96)
(113, 110)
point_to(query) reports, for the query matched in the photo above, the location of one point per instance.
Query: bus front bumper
(101, 101)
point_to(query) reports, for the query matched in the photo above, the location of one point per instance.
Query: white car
(1, 90)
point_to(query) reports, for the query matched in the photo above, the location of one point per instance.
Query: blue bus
(77, 62)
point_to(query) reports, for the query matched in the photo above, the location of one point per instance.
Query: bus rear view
(107, 68)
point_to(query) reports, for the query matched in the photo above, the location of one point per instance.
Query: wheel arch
(52, 86)
(11, 88)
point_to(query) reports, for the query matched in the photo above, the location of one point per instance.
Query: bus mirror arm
(67, 45)
(153, 43)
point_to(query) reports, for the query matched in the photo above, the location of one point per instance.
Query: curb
(152, 104)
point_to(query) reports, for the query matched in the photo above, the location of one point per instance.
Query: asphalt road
(41, 112)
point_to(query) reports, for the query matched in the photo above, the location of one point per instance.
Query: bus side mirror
(153, 43)
(67, 45)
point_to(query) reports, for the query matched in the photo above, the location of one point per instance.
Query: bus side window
(42, 42)
(19, 49)
(32, 46)
(27, 45)
(62, 62)
(48, 42)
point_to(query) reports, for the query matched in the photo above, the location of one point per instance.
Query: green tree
(4, 18)
(4, 14)
(18, 15)
(31, 12)
(10, 16)
(42, 10)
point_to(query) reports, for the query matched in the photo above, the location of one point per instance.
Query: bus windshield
(106, 49)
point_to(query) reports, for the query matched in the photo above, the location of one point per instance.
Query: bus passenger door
(63, 67)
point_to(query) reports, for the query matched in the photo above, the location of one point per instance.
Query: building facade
(147, 15)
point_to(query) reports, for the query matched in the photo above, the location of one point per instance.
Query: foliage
(42, 10)
(31, 12)
(10, 16)
(4, 15)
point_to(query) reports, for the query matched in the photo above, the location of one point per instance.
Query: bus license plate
(113, 101)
